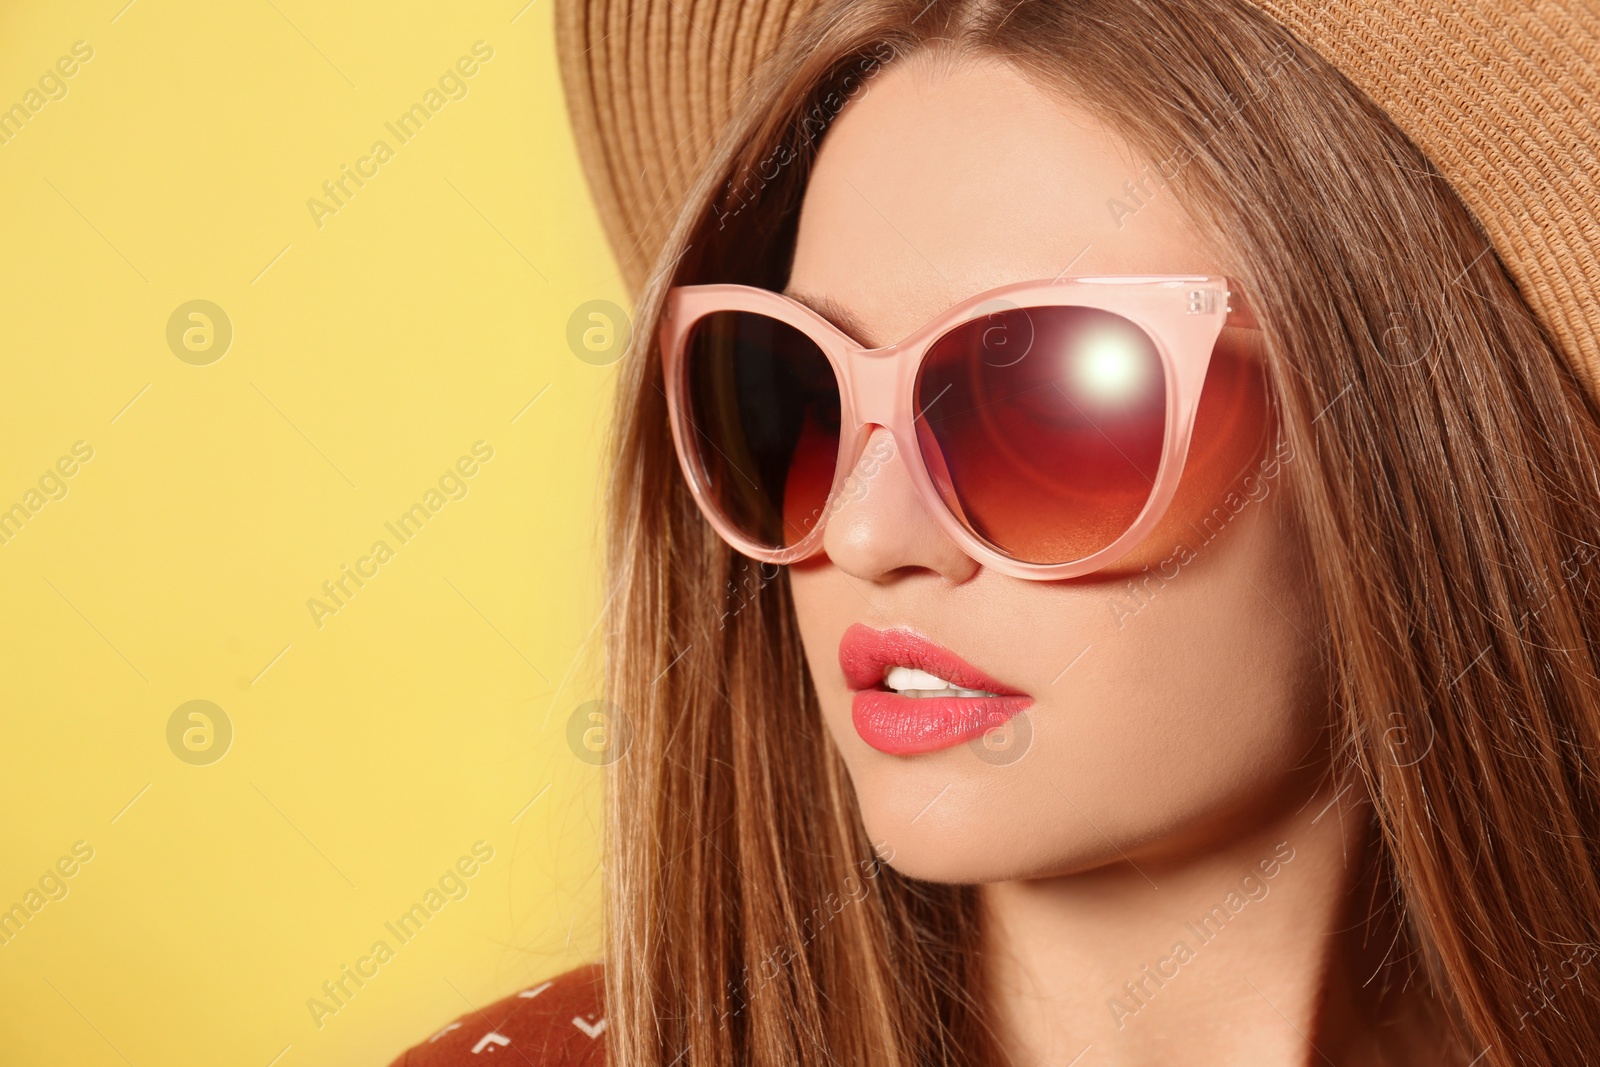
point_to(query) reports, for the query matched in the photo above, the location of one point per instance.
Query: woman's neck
(1260, 948)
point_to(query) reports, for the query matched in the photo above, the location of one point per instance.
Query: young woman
(995, 693)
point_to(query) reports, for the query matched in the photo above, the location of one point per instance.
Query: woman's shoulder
(559, 1023)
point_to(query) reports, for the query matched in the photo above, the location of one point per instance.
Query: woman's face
(1176, 698)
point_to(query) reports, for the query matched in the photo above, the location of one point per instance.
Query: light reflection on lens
(1110, 369)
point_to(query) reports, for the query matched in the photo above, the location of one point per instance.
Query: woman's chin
(974, 834)
(955, 859)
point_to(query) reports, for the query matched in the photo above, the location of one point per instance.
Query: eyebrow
(834, 312)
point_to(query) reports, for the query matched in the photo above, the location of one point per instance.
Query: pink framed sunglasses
(1044, 424)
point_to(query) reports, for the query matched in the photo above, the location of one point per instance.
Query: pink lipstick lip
(865, 653)
(905, 726)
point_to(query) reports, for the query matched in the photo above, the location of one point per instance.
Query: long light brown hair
(1450, 503)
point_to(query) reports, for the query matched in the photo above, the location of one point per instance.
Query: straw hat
(1502, 95)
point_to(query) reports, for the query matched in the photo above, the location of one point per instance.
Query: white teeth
(910, 682)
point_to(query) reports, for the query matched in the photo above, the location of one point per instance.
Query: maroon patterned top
(559, 1023)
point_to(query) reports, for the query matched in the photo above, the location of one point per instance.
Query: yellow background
(368, 354)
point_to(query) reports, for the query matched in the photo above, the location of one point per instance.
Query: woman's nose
(880, 528)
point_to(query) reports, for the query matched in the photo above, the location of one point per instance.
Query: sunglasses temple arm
(1240, 314)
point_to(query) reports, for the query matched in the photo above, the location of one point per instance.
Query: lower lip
(906, 726)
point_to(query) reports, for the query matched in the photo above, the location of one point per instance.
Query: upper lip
(865, 654)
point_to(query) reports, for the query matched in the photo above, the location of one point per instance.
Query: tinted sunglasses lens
(1043, 428)
(763, 411)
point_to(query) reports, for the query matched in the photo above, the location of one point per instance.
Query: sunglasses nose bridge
(874, 379)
